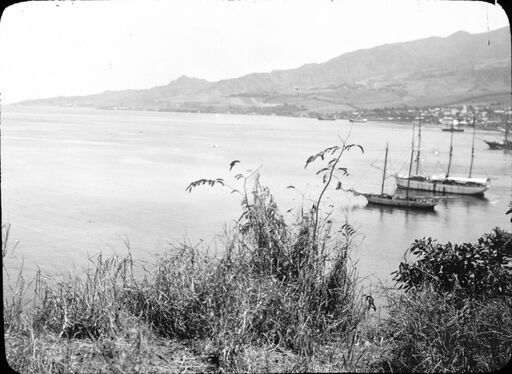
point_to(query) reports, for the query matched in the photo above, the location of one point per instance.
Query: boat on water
(453, 129)
(444, 184)
(402, 202)
(505, 144)
(451, 125)
(326, 118)
(357, 119)
(406, 201)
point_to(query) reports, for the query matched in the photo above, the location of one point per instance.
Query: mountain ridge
(433, 70)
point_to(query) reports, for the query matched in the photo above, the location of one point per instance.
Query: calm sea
(76, 182)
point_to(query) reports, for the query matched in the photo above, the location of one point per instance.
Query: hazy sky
(76, 48)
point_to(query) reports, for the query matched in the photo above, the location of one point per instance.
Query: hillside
(462, 67)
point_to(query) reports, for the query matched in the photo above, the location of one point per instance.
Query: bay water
(79, 181)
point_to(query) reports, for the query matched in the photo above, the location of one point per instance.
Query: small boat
(451, 125)
(326, 118)
(499, 145)
(445, 184)
(453, 129)
(357, 119)
(505, 144)
(406, 201)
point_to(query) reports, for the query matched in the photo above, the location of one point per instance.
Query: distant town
(493, 116)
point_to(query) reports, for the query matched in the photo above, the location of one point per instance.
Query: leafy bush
(456, 313)
(480, 269)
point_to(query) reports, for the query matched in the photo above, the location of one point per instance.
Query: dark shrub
(482, 269)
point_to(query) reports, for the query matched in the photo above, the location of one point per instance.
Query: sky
(64, 48)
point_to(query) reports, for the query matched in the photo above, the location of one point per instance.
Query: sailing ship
(445, 183)
(357, 119)
(396, 200)
(506, 144)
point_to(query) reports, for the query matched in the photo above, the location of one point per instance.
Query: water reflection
(383, 209)
(465, 201)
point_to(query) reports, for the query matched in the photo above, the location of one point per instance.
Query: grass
(283, 297)
(430, 332)
(275, 300)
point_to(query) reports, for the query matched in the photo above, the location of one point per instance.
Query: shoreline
(312, 117)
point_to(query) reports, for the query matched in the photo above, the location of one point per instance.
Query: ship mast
(419, 142)
(410, 161)
(384, 173)
(472, 147)
(451, 153)
(506, 127)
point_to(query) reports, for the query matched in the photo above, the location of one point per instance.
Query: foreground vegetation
(456, 312)
(274, 301)
(283, 297)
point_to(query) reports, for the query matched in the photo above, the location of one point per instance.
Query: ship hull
(453, 130)
(439, 187)
(497, 145)
(401, 202)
